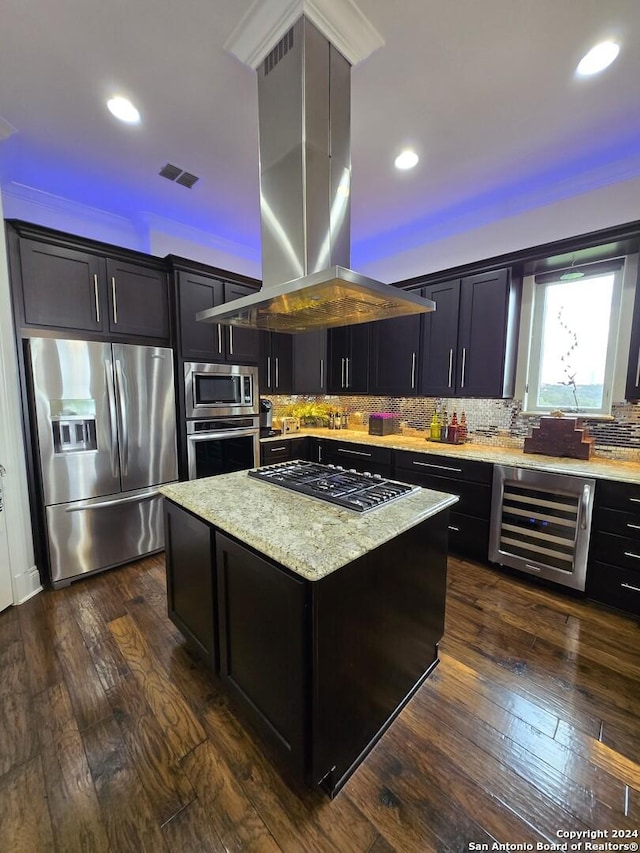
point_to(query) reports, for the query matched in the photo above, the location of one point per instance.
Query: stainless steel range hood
(304, 104)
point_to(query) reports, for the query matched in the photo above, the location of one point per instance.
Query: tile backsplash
(492, 422)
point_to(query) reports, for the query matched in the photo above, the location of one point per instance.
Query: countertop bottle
(434, 431)
(444, 427)
(452, 435)
(338, 421)
(345, 420)
(462, 429)
(332, 420)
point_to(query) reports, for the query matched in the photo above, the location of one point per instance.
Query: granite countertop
(597, 466)
(309, 536)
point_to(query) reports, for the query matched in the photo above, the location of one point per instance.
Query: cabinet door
(200, 341)
(482, 334)
(138, 300)
(440, 340)
(633, 373)
(282, 354)
(338, 350)
(190, 580)
(393, 360)
(357, 366)
(262, 644)
(62, 287)
(242, 344)
(310, 362)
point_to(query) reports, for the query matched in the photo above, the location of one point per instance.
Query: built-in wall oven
(220, 390)
(222, 445)
(541, 523)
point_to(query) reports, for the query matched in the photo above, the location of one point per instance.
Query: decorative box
(560, 437)
(384, 423)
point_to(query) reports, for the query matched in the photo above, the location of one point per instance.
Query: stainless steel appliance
(266, 418)
(214, 390)
(541, 523)
(331, 483)
(304, 106)
(106, 428)
(222, 445)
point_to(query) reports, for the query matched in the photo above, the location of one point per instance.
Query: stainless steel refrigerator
(106, 426)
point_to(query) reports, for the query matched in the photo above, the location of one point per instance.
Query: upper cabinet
(61, 282)
(633, 371)
(348, 352)
(393, 356)
(310, 362)
(470, 341)
(276, 363)
(212, 341)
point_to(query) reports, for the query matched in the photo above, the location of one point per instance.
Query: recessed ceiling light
(598, 58)
(123, 109)
(407, 159)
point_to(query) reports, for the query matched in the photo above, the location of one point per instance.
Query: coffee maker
(266, 418)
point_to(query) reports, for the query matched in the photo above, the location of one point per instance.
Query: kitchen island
(319, 622)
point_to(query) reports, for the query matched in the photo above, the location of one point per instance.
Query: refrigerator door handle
(121, 390)
(114, 502)
(113, 423)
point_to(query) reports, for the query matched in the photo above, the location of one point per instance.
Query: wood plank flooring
(114, 738)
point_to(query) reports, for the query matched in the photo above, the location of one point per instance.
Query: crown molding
(173, 228)
(266, 21)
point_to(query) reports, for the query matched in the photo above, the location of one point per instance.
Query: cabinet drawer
(275, 451)
(615, 521)
(469, 536)
(617, 587)
(445, 466)
(475, 498)
(362, 457)
(625, 496)
(617, 551)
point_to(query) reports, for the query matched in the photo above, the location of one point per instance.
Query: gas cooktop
(332, 483)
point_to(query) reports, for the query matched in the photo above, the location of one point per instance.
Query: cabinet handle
(277, 372)
(277, 449)
(450, 368)
(455, 529)
(231, 340)
(219, 339)
(342, 376)
(464, 364)
(635, 500)
(628, 586)
(114, 299)
(95, 293)
(638, 369)
(320, 453)
(347, 372)
(631, 554)
(322, 373)
(354, 452)
(268, 371)
(584, 508)
(413, 370)
(440, 467)
(633, 526)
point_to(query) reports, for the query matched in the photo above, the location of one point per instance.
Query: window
(574, 335)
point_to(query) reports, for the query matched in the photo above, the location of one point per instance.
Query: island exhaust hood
(304, 105)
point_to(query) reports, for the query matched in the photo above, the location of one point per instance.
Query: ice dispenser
(73, 423)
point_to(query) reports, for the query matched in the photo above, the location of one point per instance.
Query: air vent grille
(174, 173)
(279, 52)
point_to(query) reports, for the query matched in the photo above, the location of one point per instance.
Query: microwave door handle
(113, 422)
(121, 390)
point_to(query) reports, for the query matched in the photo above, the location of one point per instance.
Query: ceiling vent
(174, 173)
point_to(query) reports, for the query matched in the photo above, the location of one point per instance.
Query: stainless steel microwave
(211, 390)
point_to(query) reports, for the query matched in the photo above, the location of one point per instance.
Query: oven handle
(227, 433)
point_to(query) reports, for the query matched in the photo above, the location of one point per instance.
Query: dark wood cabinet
(276, 363)
(310, 362)
(283, 449)
(243, 345)
(262, 644)
(138, 300)
(393, 356)
(440, 340)
(633, 370)
(470, 480)
(613, 573)
(361, 457)
(348, 355)
(470, 341)
(61, 282)
(191, 592)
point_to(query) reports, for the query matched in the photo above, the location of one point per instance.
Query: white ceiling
(483, 89)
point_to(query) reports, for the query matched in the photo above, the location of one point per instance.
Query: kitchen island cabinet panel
(190, 580)
(262, 643)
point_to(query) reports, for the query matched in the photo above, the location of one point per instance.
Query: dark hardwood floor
(113, 738)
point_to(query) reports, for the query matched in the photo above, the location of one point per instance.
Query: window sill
(582, 415)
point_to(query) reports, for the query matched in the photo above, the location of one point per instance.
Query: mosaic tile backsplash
(492, 422)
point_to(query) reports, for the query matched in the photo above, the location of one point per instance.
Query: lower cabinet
(284, 449)
(613, 575)
(360, 457)
(191, 594)
(470, 481)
